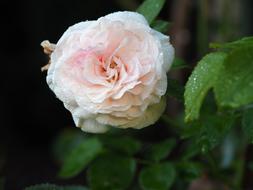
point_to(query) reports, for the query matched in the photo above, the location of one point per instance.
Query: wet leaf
(235, 85)
(246, 41)
(200, 82)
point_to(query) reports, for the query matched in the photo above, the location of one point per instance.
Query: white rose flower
(111, 72)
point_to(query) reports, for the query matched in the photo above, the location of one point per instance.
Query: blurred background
(31, 116)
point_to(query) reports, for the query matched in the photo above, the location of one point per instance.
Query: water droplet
(203, 149)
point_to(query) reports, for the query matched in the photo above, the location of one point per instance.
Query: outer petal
(58, 59)
(85, 120)
(151, 115)
(127, 16)
(166, 48)
(92, 126)
(63, 43)
(81, 26)
(161, 85)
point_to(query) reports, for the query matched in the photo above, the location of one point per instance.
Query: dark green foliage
(157, 177)
(247, 123)
(80, 157)
(54, 187)
(66, 141)
(111, 171)
(159, 151)
(189, 170)
(207, 133)
(125, 144)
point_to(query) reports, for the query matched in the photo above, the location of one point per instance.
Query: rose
(111, 72)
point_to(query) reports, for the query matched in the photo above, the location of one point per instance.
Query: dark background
(31, 116)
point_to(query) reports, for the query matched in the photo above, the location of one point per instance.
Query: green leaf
(157, 177)
(206, 133)
(160, 26)
(213, 130)
(65, 142)
(189, 170)
(191, 149)
(179, 63)
(175, 89)
(54, 187)
(126, 145)
(80, 157)
(111, 171)
(247, 123)
(150, 9)
(246, 41)
(161, 150)
(235, 85)
(200, 82)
